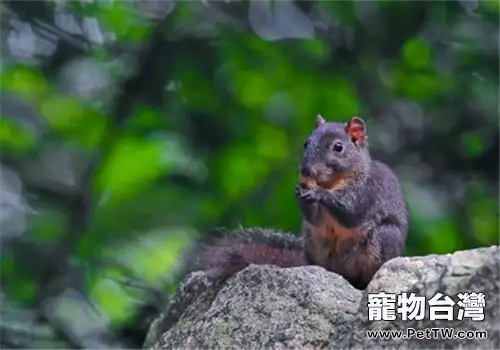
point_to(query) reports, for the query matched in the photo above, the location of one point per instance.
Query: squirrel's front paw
(305, 195)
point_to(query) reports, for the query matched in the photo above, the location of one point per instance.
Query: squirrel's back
(388, 195)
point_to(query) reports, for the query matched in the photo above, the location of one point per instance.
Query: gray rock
(309, 307)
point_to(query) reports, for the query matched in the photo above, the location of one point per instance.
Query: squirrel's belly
(332, 245)
(330, 228)
(341, 250)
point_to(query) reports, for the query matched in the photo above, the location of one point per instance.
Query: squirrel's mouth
(322, 175)
(334, 182)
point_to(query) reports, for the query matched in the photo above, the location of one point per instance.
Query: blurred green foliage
(222, 146)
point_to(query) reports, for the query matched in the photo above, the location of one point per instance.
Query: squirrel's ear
(356, 129)
(320, 120)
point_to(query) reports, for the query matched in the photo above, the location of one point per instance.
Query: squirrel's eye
(306, 144)
(338, 146)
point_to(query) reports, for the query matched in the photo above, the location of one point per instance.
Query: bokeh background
(129, 128)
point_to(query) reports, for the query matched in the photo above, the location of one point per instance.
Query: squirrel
(355, 216)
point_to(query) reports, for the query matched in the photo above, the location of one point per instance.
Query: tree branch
(80, 207)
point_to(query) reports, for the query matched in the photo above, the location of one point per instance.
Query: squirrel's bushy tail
(225, 252)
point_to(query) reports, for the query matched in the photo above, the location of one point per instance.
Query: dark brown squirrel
(354, 211)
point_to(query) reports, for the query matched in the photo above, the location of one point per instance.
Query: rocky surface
(310, 308)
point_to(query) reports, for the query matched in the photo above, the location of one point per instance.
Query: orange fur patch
(335, 183)
(330, 228)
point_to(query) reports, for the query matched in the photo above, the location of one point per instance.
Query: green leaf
(112, 299)
(150, 258)
(422, 86)
(417, 54)
(442, 235)
(252, 88)
(121, 18)
(272, 143)
(472, 144)
(235, 178)
(197, 90)
(62, 112)
(15, 138)
(134, 163)
(315, 47)
(483, 214)
(342, 11)
(340, 98)
(26, 82)
(47, 228)
(74, 119)
(156, 253)
(304, 98)
(489, 6)
(16, 282)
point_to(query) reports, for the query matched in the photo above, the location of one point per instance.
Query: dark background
(131, 127)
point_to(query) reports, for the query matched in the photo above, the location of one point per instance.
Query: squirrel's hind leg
(386, 244)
